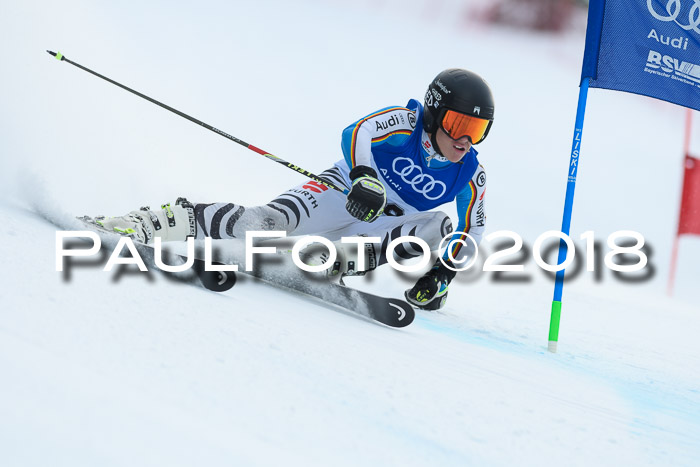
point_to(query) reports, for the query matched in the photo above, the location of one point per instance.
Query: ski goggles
(458, 125)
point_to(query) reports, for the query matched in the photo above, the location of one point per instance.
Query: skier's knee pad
(434, 226)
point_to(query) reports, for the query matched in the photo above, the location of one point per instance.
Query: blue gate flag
(647, 47)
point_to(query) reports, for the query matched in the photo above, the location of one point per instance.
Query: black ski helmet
(459, 90)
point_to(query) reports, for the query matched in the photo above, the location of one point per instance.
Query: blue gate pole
(566, 222)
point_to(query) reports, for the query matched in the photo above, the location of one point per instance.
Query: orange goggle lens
(458, 125)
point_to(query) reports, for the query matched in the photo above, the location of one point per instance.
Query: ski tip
(404, 314)
(58, 55)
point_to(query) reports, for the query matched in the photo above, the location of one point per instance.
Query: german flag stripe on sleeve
(397, 132)
(467, 217)
(353, 142)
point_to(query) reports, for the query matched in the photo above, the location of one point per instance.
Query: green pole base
(554, 326)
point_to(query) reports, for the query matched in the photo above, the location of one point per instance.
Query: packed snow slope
(131, 369)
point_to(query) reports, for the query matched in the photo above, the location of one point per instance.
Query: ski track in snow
(127, 368)
(441, 390)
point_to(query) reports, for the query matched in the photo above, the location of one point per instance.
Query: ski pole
(289, 165)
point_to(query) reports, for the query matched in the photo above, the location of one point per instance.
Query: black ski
(389, 311)
(216, 281)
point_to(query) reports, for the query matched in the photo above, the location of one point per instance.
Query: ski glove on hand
(430, 292)
(367, 196)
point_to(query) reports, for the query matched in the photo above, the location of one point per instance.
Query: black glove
(367, 196)
(430, 292)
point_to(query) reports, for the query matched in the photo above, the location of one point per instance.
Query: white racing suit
(416, 178)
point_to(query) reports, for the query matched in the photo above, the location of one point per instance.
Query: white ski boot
(346, 262)
(174, 223)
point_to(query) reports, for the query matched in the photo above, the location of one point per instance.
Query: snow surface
(131, 369)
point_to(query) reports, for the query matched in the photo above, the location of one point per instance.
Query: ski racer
(399, 164)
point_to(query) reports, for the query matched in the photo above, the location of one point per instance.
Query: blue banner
(648, 47)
